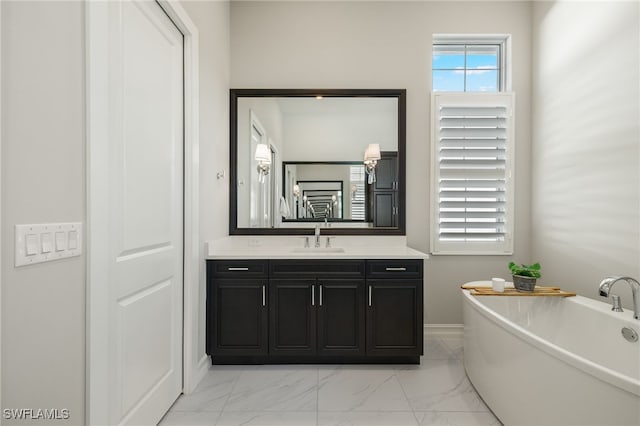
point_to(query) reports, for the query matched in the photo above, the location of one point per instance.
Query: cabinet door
(387, 172)
(341, 317)
(394, 317)
(292, 317)
(238, 317)
(385, 209)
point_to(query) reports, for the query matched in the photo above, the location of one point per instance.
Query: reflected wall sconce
(296, 190)
(371, 157)
(263, 157)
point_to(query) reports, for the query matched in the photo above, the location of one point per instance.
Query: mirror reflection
(324, 191)
(302, 159)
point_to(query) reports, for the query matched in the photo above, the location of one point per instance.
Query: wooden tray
(510, 291)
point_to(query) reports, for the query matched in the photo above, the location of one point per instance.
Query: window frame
(505, 247)
(502, 40)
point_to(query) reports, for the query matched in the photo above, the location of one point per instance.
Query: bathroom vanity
(304, 161)
(333, 308)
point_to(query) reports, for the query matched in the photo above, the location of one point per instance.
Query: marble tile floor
(436, 392)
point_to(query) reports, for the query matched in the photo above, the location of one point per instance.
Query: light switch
(73, 240)
(46, 242)
(61, 241)
(31, 241)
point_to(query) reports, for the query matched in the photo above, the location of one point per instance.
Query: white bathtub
(552, 360)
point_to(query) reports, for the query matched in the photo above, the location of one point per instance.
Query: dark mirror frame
(400, 94)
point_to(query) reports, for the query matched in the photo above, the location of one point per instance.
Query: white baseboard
(199, 373)
(444, 330)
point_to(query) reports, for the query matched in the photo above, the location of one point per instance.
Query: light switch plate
(47, 243)
(34, 243)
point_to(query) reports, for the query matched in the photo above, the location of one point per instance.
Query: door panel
(292, 318)
(146, 346)
(387, 172)
(341, 317)
(394, 314)
(384, 209)
(146, 212)
(240, 324)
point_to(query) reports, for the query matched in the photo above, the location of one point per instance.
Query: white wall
(388, 45)
(586, 138)
(212, 20)
(43, 175)
(341, 133)
(43, 306)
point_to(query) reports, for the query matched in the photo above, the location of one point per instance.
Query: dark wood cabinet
(341, 317)
(384, 192)
(314, 311)
(385, 213)
(237, 321)
(320, 316)
(394, 308)
(292, 322)
(319, 313)
(387, 172)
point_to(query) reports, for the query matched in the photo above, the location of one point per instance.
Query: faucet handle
(328, 244)
(306, 242)
(617, 306)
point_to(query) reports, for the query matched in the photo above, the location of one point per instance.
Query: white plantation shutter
(357, 177)
(472, 163)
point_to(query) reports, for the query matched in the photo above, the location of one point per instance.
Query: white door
(256, 211)
(145, 224)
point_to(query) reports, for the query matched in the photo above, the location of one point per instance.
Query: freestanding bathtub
(552, 360)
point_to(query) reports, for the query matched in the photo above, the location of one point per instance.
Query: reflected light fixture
(296, 190)
(371, 157)
(263, 157)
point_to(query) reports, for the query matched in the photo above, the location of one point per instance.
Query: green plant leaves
(523, 270)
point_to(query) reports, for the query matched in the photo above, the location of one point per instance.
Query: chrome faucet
(317, 236)
(607, 283)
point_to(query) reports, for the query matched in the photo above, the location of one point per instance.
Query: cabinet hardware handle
(389, 268)
(320, 295)
(264, 295)
(370, 295)
(237, 269)
(313, 295)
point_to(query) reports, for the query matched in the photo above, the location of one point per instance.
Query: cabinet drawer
(394, 268)
(316, 268)
(238, 268)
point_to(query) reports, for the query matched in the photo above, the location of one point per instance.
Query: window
(472, 173)
(357, 178)
(469, 63)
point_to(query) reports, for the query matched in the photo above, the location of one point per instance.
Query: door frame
(96, 115)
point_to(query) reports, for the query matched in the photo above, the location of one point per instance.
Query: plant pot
(524, 283)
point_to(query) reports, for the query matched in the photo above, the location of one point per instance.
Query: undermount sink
(318, 250)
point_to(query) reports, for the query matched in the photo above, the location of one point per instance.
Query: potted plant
(524, 276)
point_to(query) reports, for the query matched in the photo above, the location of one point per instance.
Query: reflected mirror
(303, 157)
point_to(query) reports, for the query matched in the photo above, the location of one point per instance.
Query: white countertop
(292, 247)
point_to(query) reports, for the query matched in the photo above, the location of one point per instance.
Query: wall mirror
(303, 157)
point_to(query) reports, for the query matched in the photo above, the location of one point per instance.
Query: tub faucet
(317, 236)
(607, 283)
